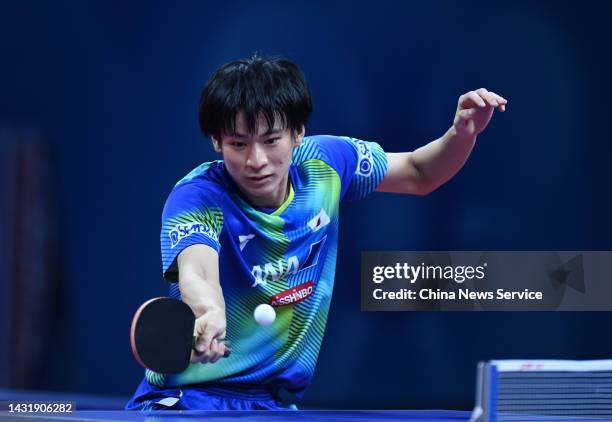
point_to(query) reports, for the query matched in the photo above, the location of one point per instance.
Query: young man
(261, 226)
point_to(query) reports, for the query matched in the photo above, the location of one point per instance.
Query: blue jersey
(285, 257)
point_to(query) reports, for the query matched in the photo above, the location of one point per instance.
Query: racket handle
(228, 347)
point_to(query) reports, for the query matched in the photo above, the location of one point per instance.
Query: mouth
(258, 179)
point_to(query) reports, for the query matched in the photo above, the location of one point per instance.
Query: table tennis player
(260, 226)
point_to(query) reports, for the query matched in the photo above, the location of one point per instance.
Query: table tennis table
(258, 416)
(507, 390)
(276, 416)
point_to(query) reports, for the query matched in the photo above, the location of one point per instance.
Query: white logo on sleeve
(243, 240)
(320, 220)
(182, 231)
(364, 159)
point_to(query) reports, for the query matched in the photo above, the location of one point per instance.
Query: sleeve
(191, 216)
(362, 165)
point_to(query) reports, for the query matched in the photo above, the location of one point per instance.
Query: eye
(237, 145)
(272, 141)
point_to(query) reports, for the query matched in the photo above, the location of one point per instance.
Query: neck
(276, 201)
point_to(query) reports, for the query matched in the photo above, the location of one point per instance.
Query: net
(543, 390)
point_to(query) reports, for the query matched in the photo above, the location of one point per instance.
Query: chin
(260, 193)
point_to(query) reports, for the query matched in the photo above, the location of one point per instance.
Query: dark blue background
(115, 85)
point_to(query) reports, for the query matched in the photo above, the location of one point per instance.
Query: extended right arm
(200, 288)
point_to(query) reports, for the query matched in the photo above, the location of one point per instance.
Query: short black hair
(273, 87)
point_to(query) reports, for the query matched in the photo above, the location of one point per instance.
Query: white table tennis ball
(264, 314)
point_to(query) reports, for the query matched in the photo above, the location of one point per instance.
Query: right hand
(209, 330)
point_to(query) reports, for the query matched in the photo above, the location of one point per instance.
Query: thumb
(202, 344)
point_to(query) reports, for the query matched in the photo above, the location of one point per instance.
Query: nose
(257, 158)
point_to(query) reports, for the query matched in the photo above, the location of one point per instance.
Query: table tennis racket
(162, 335)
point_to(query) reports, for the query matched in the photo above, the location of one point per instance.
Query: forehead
(262, 128)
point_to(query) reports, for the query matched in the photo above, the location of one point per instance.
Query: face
(259, 162)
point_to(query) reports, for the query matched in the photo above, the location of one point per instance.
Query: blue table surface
(267, 416)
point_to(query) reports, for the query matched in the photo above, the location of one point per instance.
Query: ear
(216, 144)
(299, 136)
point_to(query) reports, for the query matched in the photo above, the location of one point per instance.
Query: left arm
(425, 169)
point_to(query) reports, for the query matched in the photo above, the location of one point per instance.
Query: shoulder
(360, 164)
(206, 183)
(324, 147)
(209, 174)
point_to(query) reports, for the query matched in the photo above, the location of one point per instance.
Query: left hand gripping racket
(162, 335)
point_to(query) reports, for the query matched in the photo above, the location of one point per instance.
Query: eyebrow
(271, 131)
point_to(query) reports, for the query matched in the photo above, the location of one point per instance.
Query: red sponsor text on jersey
(293, 295)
